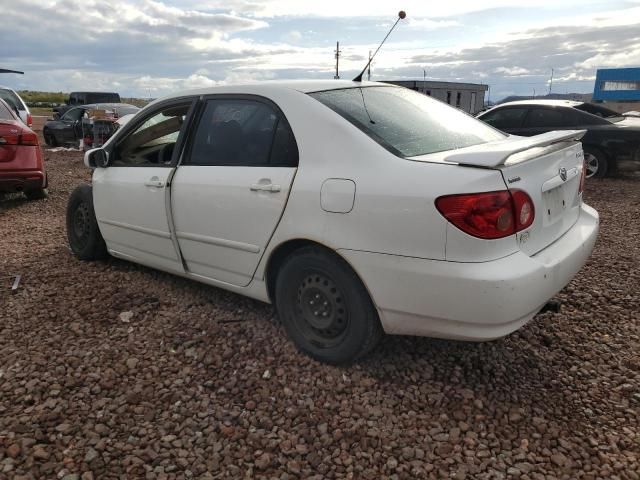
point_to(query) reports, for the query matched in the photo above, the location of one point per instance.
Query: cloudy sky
(152, 47)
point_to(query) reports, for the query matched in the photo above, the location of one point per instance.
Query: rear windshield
(11, 98)
(599, 111)
(405, 122)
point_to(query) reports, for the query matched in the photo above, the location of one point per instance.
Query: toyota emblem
(563, 174)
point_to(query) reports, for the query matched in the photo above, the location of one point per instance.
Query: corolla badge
(563, 174)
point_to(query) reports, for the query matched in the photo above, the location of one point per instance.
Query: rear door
(230, 190)
(131, 195)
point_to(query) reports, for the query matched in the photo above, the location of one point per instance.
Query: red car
(21, 164)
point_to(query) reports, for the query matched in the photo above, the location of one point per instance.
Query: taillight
(28, 137)
(583, 177)
(488, 215)
(29, 120)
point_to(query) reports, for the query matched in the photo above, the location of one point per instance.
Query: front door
(229, 192)
(131, 195)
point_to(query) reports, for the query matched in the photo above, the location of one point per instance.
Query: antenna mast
(401, 16)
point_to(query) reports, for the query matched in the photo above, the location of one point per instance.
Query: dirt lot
(200, 383)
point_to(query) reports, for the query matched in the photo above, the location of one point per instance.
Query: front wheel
(596, 163)
(325, 308)
(83, 234)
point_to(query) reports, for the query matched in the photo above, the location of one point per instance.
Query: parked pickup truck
(85, 98)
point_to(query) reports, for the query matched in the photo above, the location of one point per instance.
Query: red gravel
(196, 382)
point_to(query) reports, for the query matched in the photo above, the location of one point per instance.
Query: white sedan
(357, 208)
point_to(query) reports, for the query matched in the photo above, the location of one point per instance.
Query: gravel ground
(111, 370)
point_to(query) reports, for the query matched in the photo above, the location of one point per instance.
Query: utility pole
(534, 92)
(369, 68)
(424, 81)
(338, 52)
(551, 82)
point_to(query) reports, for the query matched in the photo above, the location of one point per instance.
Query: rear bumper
(22, 181)
(472, 301)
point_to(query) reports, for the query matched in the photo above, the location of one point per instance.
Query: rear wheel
(596, 163)
(83, 234)
(38, 194)
(325, 308)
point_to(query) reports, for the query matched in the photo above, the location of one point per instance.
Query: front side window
(239, 132)
(405, 122)
(505, 118)
(152, 143)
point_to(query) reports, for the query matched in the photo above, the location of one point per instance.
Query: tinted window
(102, 98)
(73, 115)
(505, 117)
(549, 117)
(405, 122)
(153, 142)
(5, 113)
(12, 99)
(241, 132)
(583, 118)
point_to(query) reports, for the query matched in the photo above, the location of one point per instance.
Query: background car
(17, 104)
(70, 128)
(355, 207)
(85, 98)
(21, 164)
(611, 138)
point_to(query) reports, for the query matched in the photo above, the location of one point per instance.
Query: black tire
(596, 162)
(344, 325)
(50, 139)
(83, 234)
(39, 194)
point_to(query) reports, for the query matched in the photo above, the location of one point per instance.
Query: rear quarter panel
(394, 210)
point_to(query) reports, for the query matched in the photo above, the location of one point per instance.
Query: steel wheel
(81, 222)
(592, 164)
(323, 314)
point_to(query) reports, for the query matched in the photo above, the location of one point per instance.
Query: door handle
(264, 187)
(154, 182)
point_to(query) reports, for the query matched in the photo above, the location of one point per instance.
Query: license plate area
(555, 204)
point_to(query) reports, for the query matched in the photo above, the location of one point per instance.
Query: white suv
(14, 101)
(357, 208)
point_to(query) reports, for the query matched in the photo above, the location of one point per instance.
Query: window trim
(202, 102)
(133, 125)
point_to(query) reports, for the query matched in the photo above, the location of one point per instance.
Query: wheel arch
(280, 253)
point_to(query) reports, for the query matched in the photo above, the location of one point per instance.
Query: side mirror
(96, 158)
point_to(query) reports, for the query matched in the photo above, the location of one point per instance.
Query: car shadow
(9, 201)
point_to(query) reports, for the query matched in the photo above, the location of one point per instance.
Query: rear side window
(505, 117)
(5, 113)
(242, 133)
(12, 99)
(550, 117)
(405, 122)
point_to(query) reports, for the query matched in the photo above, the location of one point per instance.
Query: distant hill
(578, 97)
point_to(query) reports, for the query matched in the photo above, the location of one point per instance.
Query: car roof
(550, 103)
(304, 86)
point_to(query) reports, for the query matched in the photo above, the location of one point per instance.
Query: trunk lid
(548, 168)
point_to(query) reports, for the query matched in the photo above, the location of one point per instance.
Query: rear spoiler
(495, 154)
